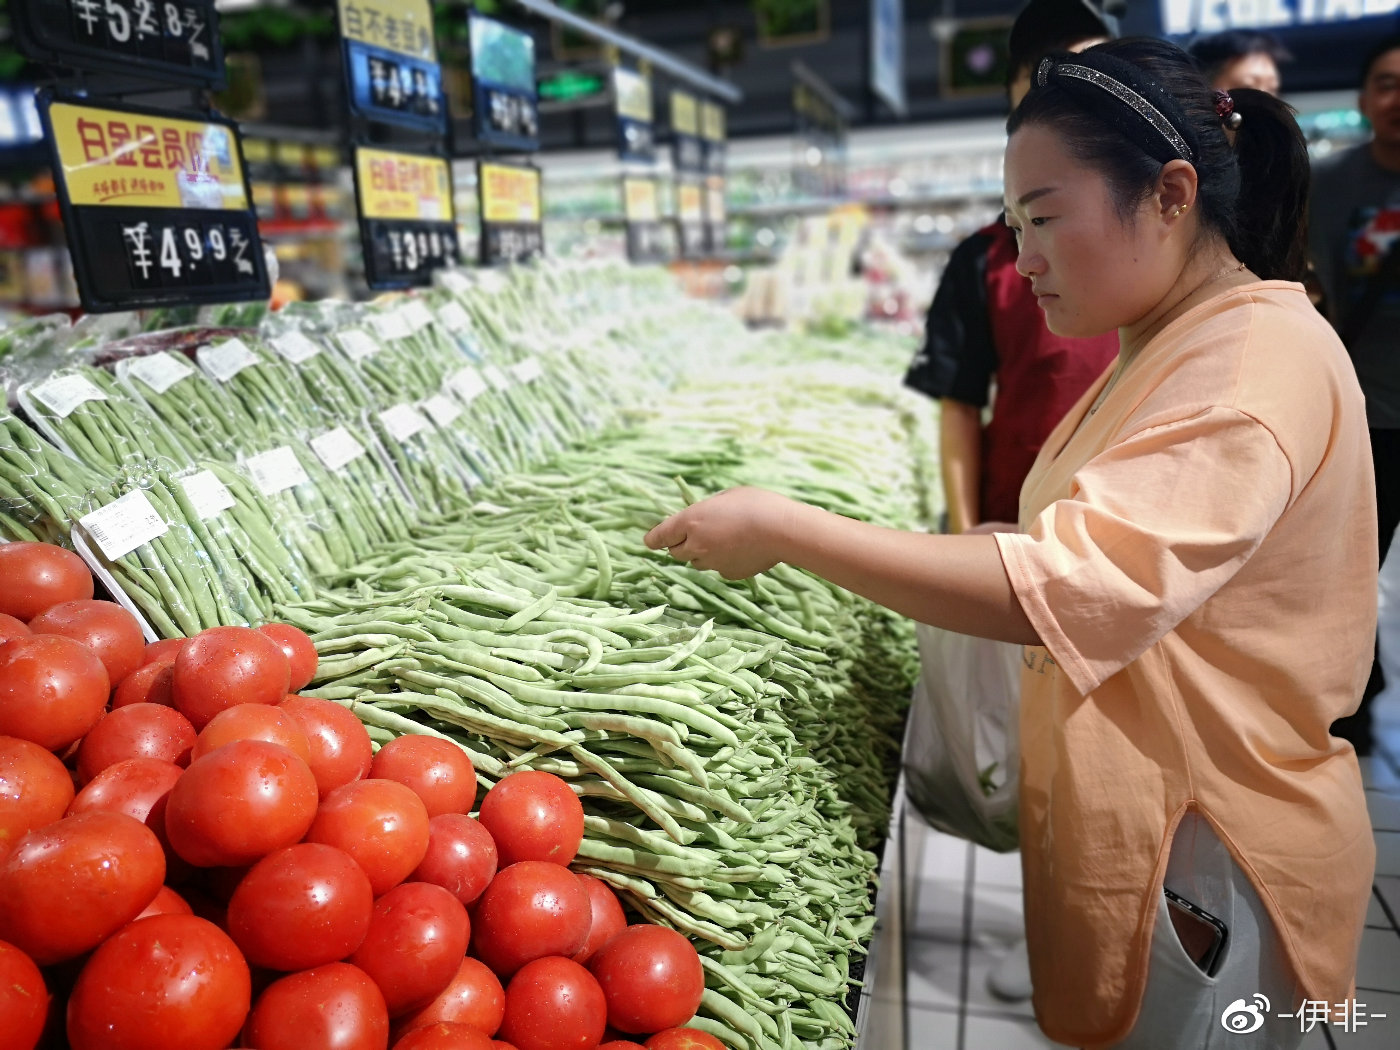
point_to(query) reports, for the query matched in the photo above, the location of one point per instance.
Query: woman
(1195, 577)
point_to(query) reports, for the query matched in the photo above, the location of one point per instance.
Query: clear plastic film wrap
(40, 488)
(31, 346)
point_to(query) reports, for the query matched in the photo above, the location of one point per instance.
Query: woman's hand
(738, 533)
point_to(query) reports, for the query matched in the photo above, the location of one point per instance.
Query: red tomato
(224, 666)
(52, 689)
(36, 576)
(12, 627)
(380, 823)
(474, 998)
(416, 942)
(299, 649)
(684, 1039)
(333, 1007)
(652, 978)
(554, 1004)
(607, 916)
(501, 1044)
(163, 650)
(138, 787)
(301, 907)
(444, 1035)
(533, 816)
(240, 803)
(530, 910)
(151, 683)
(166, 981)
(341, 750)
(66, 888)
(135, 731)
(104, 627)
(35, 789)
(253, 722)
(24, 1000)
(437, 770)
(620, 1044)
(461, 857)
(167, 902)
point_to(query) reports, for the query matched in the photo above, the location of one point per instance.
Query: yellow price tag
(639, 200)
(633, 95)
(509, 194)
(403, 186)
(712, 122)
(123, 159)
(690, 203)
(685, 113)
(401, 26)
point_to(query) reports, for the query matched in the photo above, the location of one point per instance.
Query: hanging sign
(636, 138)
(505, 100)
(512, 213)
(156, 208)
(642, 210)
(175, 41)
(712, 131)
(391, 63)
(687, 148)
(690, 217)
(407, 226)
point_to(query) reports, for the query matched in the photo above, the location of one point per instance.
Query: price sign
(640, 205)
(156, 208)
(687, 148)
(176, 41)
(505, 99)
(715, 213)
(406, 221)
(391, 62)
(690, 217)
(712, 131)
(511, 212)
(636, 139)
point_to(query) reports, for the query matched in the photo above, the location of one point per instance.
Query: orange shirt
(1199, 559)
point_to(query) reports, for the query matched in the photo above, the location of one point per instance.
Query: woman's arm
(960, 455)
(955, 582)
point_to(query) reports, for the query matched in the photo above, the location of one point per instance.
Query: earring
(1180, 210)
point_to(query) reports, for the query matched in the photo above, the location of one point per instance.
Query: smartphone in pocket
(1201, 934)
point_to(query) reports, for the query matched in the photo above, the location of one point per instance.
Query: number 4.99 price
(186, 253)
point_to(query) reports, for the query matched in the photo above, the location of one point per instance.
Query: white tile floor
(965, 911)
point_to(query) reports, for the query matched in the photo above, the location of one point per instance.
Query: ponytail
(1253, 193)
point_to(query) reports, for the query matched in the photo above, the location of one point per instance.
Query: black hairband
(1125, 98)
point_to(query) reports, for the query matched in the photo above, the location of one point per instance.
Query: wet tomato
(135, 731)
(461, 857)
(651, 977)
(608, 919)
(533, 816)
(104, 627)
(554, 1004)
(253, 722)
(416, 941)
(35, 789)
(436, 770)
(224, 666)
(52, 689)
(36, 576)
(151, 683)
(474, 997)
(333, 1007)
(299, 650)
(340, 747)
(380, 823)
(24, 1000)
(530, 910)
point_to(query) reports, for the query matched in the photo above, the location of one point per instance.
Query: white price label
(468, 384)
(403, 422)
(335, 448)
(66, 393)
(276, 471)
(496, 377)
(491, 281)
(454, 318)
(295, 347)
(358, 344)
(454, 282)
(392, 325)
(226, 360)
(417, 315)
(208, 495)
(444, 410)
(160, 371)
(527, 371)
(123, 525)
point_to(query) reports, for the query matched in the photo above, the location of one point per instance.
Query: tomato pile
(193, 857)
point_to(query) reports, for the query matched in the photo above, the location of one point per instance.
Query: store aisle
(965, 911)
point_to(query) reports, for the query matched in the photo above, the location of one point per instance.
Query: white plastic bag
(962, 748)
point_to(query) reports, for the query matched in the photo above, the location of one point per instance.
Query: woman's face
(1091, 270)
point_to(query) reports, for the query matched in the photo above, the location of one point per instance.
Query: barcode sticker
(454, 318)
(417, 315)
(527, 371)
(226, 360)
(66, 393)
(468, 384)
(444, 410)
(392, 324)
(358, 344)
(277, 471)
(496, 377)
(454, 282)
(124, 524)
(208, 495)
(295, 347)
(160, 371)
(335, 448)
(403, 422)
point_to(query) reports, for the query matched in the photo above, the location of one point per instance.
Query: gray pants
(1182, 1008)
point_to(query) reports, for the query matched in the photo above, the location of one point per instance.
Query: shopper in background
(1236, 59)
(1195, 584)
